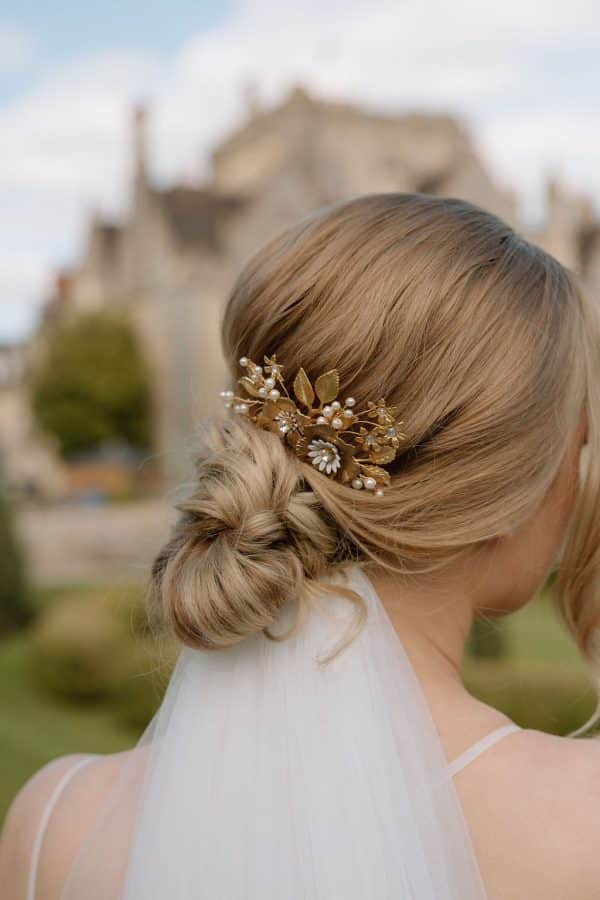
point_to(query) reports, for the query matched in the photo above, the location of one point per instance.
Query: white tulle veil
(268, 776)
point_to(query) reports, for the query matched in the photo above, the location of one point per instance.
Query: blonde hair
(485, 342)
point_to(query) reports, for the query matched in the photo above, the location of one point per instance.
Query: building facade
(173, 260)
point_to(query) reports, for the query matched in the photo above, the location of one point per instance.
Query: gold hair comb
(349, 446)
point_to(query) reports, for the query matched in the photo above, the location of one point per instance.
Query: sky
(527, 84)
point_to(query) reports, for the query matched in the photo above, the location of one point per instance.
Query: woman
(343, 758)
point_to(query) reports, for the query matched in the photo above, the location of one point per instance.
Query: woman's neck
(433, 624)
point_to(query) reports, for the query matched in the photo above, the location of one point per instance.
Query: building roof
(195, 214)
(299, 100)
(105, 239)
(109, 234)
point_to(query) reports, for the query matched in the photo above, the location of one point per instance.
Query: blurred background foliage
(91, 385)
(15, 601)
(88, 673)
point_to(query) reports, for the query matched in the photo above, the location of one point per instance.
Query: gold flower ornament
(348, 445)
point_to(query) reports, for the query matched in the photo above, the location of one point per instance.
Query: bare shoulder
(533, 804)
(82, 788)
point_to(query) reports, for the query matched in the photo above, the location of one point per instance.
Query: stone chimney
(139, 120)
(567, 214)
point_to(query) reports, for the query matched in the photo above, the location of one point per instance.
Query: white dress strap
(45, 818)
(478, 747)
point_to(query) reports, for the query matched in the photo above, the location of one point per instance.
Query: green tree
(92, 385)
(15, 608)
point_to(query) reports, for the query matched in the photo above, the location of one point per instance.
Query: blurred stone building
(174, 258)
(28, 460)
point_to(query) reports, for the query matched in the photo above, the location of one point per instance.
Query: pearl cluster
(368, 483)
(239, 407)
(267, 389)
(333, 414)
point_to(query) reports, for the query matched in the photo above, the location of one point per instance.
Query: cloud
(528, 147)
(16, 47)
(24, 278)
(525, 82)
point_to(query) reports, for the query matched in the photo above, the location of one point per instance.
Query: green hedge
(15, 601)
(98, 646)
(487, 639)
(79, 648)
(141, 690)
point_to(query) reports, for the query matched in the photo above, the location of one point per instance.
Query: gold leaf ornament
(327, 386)
(249, 386)
(384, 455)
(361, 441)
(303, 389)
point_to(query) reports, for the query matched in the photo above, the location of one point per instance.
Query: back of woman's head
(485, 343)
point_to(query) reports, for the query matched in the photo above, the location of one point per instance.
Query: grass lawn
(35, 727)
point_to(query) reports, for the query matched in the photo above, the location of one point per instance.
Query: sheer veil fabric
(267, 776)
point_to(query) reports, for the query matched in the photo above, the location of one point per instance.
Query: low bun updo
(250, 535)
